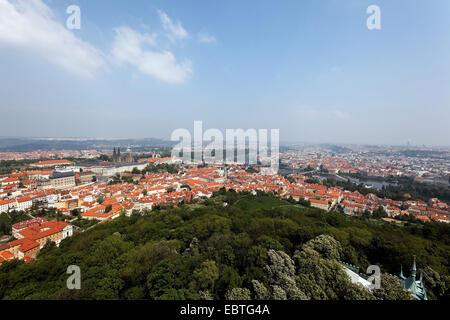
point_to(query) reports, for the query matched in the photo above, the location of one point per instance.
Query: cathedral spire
(413, 268)
(416, 287)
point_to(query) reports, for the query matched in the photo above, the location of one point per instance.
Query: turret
(414, 269)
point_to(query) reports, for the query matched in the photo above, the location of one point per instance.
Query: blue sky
(309, 68)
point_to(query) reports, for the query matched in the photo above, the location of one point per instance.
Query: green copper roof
(416, 287)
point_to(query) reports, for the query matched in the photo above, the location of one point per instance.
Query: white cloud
(205, 37)
(174, 30)
(140, 50)
(30, 25)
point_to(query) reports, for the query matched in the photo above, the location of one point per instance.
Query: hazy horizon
(167, 139)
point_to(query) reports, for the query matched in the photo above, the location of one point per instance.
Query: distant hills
(34, 144)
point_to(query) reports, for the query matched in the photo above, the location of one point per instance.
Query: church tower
(415, 287)
(129, 157)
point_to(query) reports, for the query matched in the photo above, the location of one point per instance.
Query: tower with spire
(414, 269)
(416, 287)
(129, 156)
(114, 155)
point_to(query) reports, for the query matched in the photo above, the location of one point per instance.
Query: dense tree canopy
(256, 247)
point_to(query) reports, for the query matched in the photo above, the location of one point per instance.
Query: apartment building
(33, 239)
(51, 163)
(61, 180)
